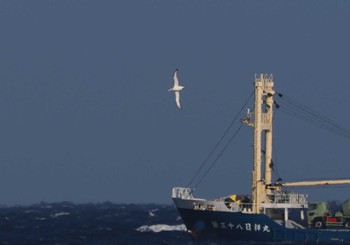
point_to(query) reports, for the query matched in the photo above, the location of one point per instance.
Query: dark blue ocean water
(105, 223)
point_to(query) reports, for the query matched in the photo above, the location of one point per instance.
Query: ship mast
(262, 124)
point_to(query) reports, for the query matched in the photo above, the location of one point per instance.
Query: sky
(86, 116)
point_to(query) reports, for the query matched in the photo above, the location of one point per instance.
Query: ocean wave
(100, 223)
(55, 215)
(151, 213)
(37, 218)
(161, 227)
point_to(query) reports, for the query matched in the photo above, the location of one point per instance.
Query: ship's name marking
(244, 227)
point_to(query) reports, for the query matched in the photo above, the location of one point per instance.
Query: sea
(103, 223)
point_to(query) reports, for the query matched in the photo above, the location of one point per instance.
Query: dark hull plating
(212, 225)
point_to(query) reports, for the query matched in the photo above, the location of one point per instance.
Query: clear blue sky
(85, 115)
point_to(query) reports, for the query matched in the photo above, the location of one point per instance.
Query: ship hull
(237, 226)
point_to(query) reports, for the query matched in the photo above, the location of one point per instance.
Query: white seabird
(177, 88)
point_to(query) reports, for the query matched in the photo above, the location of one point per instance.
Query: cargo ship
(271, 213)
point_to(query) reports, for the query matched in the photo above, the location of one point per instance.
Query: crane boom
(318, 182)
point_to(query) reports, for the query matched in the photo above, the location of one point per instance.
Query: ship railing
(182, 193)
(288, 198)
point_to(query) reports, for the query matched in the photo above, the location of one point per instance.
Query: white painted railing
(288, 198)
(182, 193)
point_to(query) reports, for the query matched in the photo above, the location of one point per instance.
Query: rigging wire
(219, 141)
(318, 115)
(217, 158)
(297, 110)
(315, 122)
(275, 162)
(300, 111)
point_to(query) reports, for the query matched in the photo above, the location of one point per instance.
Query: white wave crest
(55, 215)
(37, 218)
(161, 227)
(152, 212)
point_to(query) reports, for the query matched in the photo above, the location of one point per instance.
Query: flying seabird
(177, 88)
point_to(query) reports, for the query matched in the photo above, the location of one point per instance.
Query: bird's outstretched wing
(176, 80)
(177, 98)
